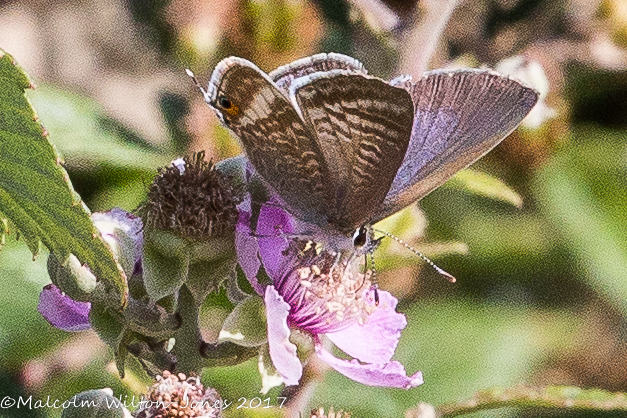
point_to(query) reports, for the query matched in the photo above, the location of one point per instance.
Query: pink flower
(320, 295)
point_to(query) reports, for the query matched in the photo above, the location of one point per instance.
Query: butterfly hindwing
(286, 74)
(363, 127)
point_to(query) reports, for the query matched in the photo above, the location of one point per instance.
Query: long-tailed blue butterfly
(343, 149)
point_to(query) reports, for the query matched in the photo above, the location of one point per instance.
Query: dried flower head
(193, 199)
(180, 396)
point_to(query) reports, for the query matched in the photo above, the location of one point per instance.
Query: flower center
(332, 294)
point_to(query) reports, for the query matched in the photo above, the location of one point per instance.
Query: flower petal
(127, 222)
(61, 311)
(123, 232)
(246, 246)
(180, 164)
(376, 340)
(390, 375)
(282, 351)
(272, 226)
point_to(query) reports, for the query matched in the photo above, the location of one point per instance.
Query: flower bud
(65, 304)
(98, 403)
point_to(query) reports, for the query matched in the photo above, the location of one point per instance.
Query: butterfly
(343, 149)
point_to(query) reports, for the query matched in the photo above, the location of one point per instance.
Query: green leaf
(169, 261)
(165, 261)
(35, 191)
(246, 325)
(483, 184)
(551, 397)
(212, 263)
(107, 324)
(208, 276)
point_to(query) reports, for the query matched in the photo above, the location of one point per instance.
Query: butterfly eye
(225, 103)
(360, 238)
(227, 106)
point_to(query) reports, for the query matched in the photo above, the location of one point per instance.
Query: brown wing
(363, 126)
(275, 138)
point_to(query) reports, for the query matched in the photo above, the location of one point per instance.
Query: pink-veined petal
(282, 351)
(376, 340)
(390, 375)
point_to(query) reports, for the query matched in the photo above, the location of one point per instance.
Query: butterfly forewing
(276, 141)
(459, 117)
(363, 127)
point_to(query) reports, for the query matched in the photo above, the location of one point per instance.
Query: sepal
(246, 324)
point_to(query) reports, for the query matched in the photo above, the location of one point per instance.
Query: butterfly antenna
(448, 276)
(196, 83)
(373, 279)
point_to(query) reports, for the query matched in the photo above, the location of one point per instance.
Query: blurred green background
(541, 296)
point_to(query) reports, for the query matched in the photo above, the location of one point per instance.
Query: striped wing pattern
(342, 147)
(278, 144)
(319, 63)
(363, 126)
